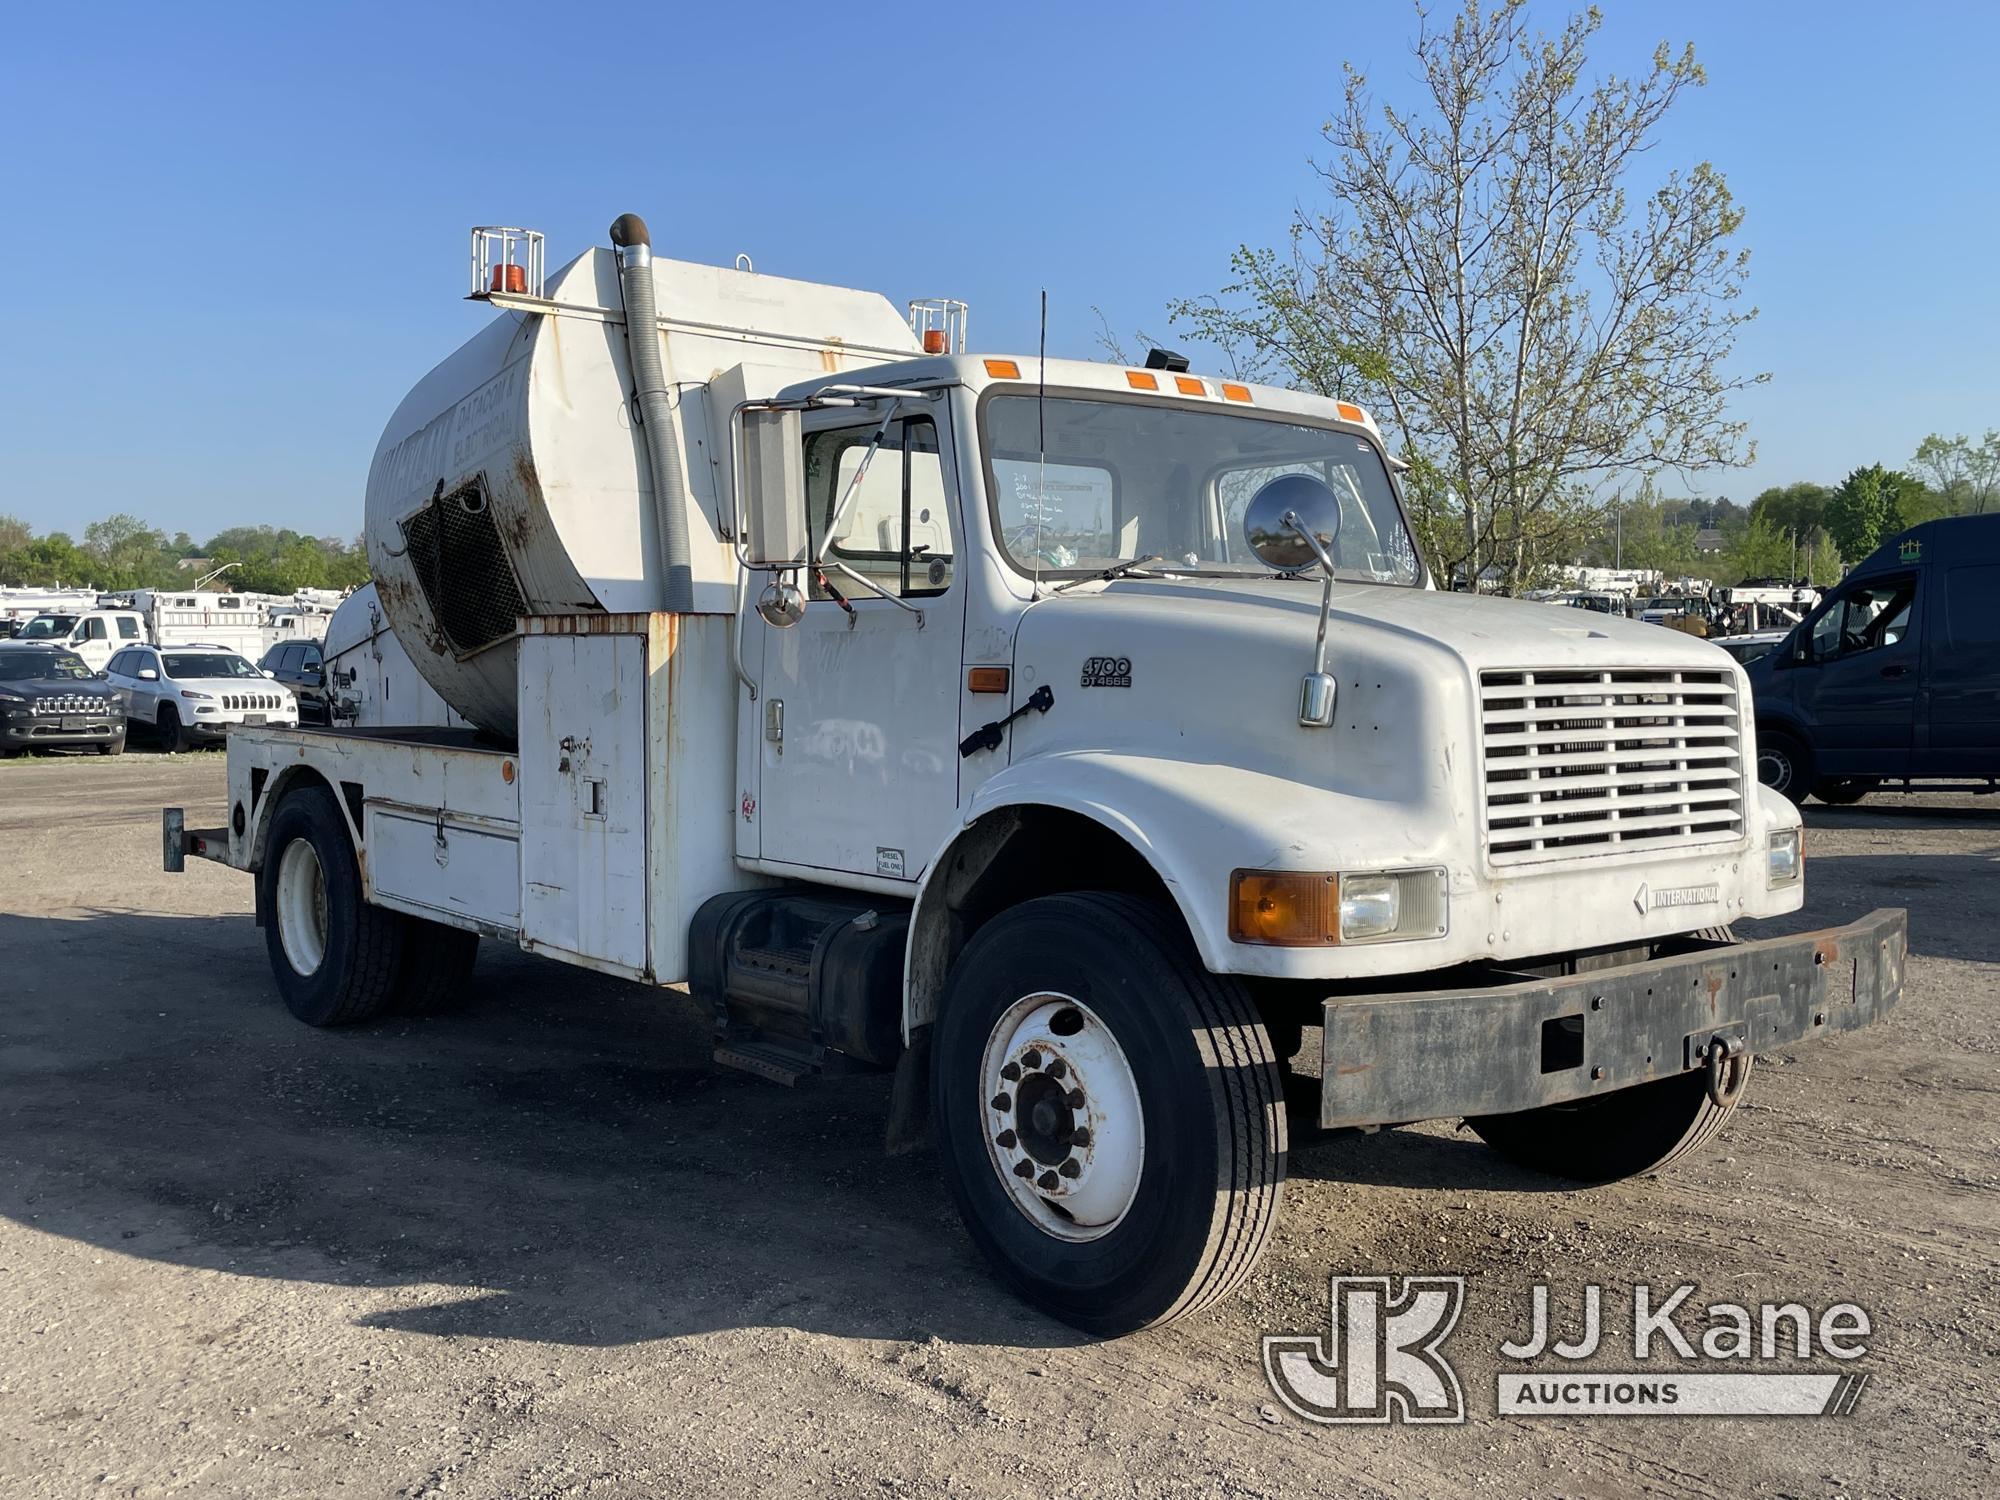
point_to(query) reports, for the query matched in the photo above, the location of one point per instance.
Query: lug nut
(1080, 1136)
(1046, 1182)
(1004, 1140)
(1012, 1072)
(1003, 1101)
(1070, 1168)
(1057, 1067)
(1075, 1100)
(1031, 1059)
(1024, 1169)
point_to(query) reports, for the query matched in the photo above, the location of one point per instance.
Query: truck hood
(1482, 631)
(1208, 669)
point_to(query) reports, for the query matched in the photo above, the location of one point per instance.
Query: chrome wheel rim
(1774, 769)
(302, 908)
(1064, 1129)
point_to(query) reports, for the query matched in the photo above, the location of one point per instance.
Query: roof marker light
(1233, 392)
(1140, 380)
(1003, 369)
(1187, 385)
(1350, 412)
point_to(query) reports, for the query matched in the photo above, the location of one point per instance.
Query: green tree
(1763, 549)
(1867, 507)
(1964, 473)
(1526, 313)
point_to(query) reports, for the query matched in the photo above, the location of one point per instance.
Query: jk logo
(1380, 1360)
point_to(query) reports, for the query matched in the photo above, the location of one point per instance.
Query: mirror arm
(853, 488)
(1317, 690)
(873, 587)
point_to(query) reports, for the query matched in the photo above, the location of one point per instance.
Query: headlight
(193, 697)
(1322, 909)
(12, 698)
(1784, 857)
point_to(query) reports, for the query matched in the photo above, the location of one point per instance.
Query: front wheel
(1784, 765)
(167, 726)
(1633, 1131)
(1110, 1115)
(1844, 792)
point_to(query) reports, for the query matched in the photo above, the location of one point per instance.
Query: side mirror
(1291, 522)
(773, 489)
(147, 674)
(269, 673)
(102, 675)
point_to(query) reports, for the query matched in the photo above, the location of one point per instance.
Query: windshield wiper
(1116, 570)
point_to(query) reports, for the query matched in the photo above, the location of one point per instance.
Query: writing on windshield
(1082, 483)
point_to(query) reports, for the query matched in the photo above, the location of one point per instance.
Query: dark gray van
(1896, 676)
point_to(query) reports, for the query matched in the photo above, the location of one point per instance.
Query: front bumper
(26, 732)
(1391, 1059)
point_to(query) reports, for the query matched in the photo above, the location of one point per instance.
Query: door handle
(1895, 671)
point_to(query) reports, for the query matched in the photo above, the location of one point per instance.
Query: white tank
(513, 480)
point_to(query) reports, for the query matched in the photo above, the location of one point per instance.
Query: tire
(112, 747)
(167, 726)
(436, 967)
(1173, 1208)
(1844, 792)
(310, 892)
(1784, 764)
(1624, 1134)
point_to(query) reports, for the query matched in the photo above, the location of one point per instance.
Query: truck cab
(1895, 677)
(93, 634)
(1086, 744)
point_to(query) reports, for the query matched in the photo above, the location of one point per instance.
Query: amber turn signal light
(1284, 908)
(986, 679)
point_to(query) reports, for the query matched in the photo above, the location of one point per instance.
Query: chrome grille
(74, 703)
(1579, 763)
(235, 701)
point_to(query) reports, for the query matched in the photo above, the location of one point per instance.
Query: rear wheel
(1784, 764)
(1624, 1134)
(435, 971)
(334, 956)
(1845, 792)
(167, 725)
(1110, 1115)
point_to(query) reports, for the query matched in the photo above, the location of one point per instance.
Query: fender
(1193, 823)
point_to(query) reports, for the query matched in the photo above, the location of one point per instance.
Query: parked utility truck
(1077, 740)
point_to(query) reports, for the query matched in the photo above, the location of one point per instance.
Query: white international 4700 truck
(1076, 740)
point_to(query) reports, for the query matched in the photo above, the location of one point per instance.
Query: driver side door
(1859, 695)
(857, 708)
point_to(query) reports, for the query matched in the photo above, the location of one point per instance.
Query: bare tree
(1529, 334)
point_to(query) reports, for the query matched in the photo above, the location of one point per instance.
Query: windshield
(26, 666)
(49, 627)
(206, 664)
(1081, 483)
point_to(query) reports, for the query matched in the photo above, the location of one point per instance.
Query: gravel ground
(542, 1249)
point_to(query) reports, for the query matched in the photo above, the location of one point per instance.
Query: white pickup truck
(1077, 740)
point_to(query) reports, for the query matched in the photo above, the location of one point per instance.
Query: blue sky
(235, 234)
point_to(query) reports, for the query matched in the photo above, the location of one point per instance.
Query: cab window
(895, 528)
(96, 629)
(128, 628)
(1865, 618)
